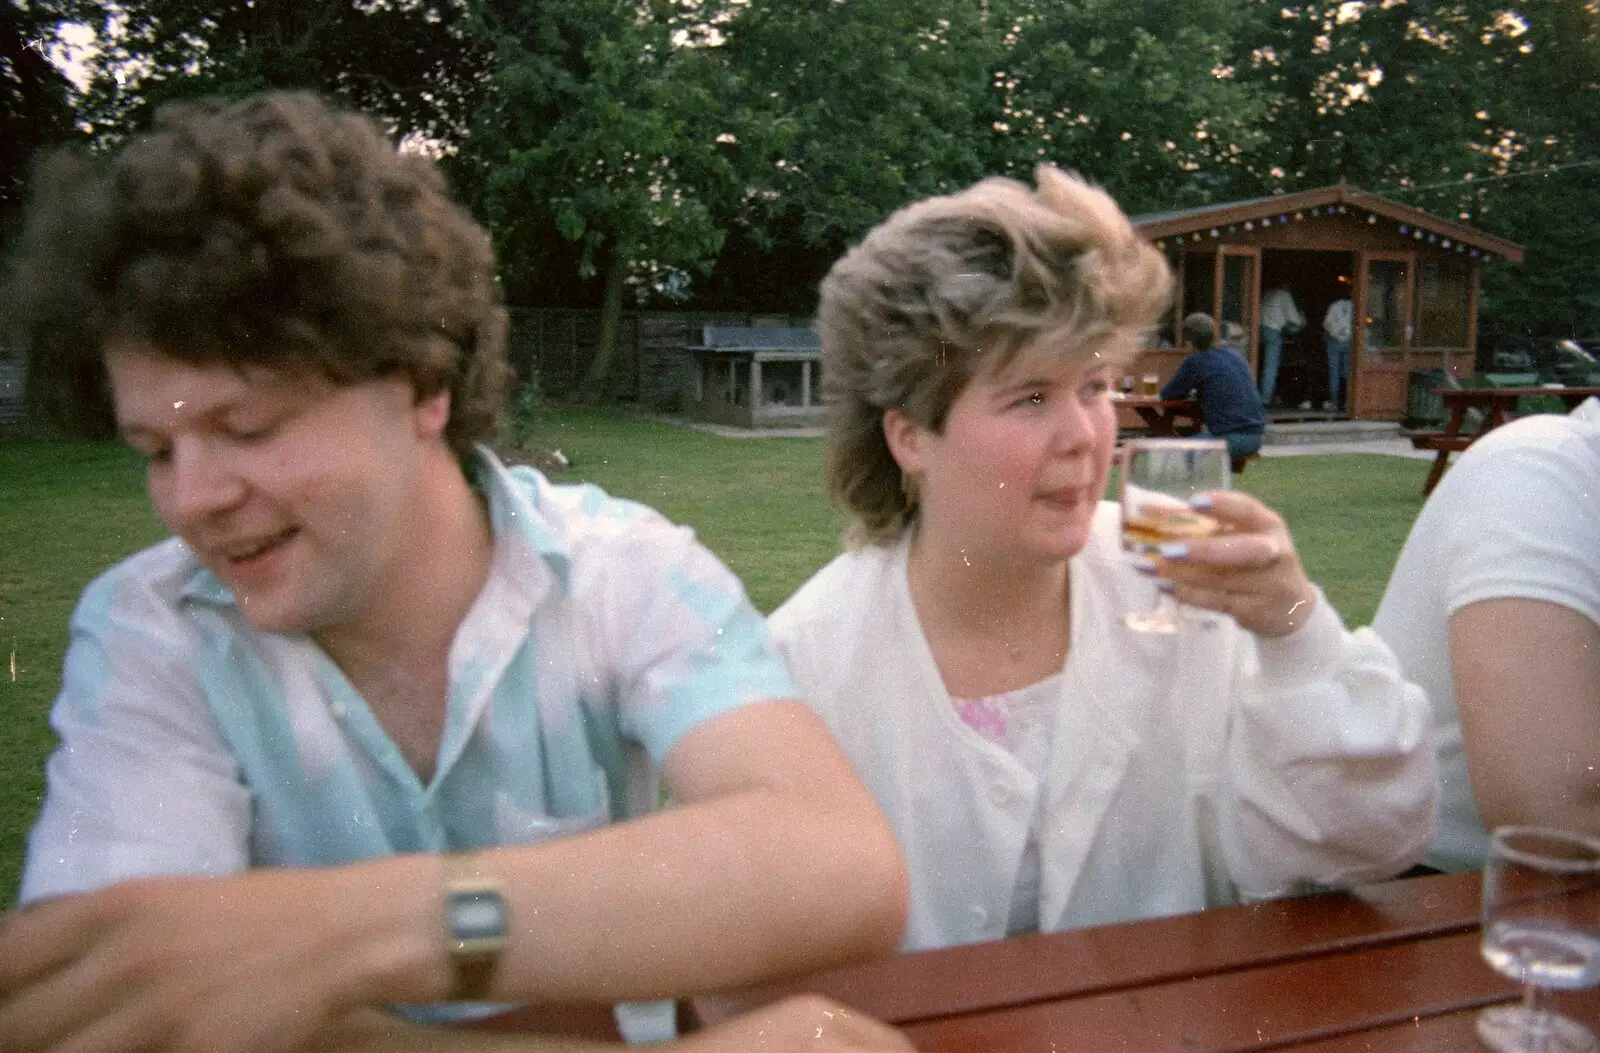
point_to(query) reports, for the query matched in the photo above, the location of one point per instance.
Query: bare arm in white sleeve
(1527, 679)
(1332, 777)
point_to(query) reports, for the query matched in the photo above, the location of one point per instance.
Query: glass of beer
(1150, 386)
(1158, 478)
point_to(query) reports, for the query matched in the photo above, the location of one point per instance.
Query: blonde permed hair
(952, 286)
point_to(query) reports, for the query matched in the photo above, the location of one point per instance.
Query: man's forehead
(144, 377)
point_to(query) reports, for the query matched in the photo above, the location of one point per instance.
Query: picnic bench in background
(1177, 418)
(1496, 401)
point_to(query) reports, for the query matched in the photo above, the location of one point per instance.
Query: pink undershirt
(1019, 722)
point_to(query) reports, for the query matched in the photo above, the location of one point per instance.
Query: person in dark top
(1221, 380)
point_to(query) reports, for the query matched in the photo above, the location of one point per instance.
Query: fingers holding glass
(1160, 480)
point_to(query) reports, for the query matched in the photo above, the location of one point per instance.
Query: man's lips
(240, 558)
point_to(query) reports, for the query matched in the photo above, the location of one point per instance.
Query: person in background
(362, 734)
(1220, 379)
(1337, 325)
(1233, 338)
(1044, 766)
(1494, 609)
(1279, 315)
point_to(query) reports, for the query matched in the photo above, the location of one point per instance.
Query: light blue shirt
(192, 743)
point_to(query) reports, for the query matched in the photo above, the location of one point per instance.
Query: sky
(77, 45)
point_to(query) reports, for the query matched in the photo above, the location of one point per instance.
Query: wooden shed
(757, 377)
(1412, 276)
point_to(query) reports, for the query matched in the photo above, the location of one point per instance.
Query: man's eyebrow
(130, 431)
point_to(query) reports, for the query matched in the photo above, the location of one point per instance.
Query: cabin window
(1386, 309)
(1442, 295)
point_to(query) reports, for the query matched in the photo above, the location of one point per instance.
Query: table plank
(1284, 1005)
(1071, 964)
(1161, 416)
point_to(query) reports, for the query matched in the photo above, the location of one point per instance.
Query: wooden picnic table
(1163, 416)
(1499, 405)
(1384, 968)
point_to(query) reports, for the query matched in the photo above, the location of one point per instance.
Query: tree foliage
(407, 62)
(34, 107)
(1454, 106)
(724, 152)
(1140, 95)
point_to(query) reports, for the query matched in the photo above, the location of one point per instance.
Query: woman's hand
(808, 1023)
(1249, 571)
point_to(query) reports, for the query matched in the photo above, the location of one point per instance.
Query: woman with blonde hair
(1045, 767)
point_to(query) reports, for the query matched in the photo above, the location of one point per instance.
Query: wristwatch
(476, 920)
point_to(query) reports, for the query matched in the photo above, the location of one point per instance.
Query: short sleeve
(141, 784)
(685, 642)
(1525, 524)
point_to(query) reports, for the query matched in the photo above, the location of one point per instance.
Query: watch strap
(475, 925)
(473, 975)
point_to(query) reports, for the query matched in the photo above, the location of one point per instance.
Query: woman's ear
(905, 438)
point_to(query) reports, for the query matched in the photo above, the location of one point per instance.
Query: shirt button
(339, 711)
(1000, 794)
(980, 913)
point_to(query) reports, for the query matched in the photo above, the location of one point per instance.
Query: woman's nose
(1075, 424)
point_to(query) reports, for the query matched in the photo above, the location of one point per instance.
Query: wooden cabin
(1413, 279)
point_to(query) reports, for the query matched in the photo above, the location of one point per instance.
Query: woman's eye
(1032, 398)
(1097, 387)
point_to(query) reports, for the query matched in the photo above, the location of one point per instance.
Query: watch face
(477, 915)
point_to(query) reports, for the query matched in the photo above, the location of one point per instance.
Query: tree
(1454, 106)
(616, 125)
(1141, 96)
(876, 103)
(406, 62)
(34, 99)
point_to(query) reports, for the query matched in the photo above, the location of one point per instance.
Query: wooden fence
(651, 367)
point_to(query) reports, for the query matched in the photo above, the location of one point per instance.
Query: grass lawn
(67, 511)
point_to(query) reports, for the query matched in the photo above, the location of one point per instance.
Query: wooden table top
(1152, 402)
(1570, 394)
(1386, 967)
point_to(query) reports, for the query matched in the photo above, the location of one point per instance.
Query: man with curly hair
(359, 735)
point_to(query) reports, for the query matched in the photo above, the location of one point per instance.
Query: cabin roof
(1341, 197)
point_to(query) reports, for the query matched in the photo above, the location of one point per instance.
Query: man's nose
(204, 482)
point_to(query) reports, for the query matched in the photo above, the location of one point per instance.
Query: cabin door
(1226, 284)
(1239, 299)
(1383, 336)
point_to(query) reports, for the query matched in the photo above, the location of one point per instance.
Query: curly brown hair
(273, 231)
(953, 285)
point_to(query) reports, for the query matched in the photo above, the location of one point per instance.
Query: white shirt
(192, 743)
(1279, 311)
(1518, 515)
(1337, 321)
(1185, 770)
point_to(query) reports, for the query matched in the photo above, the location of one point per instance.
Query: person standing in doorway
(1336, 329)
(1279, 315)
